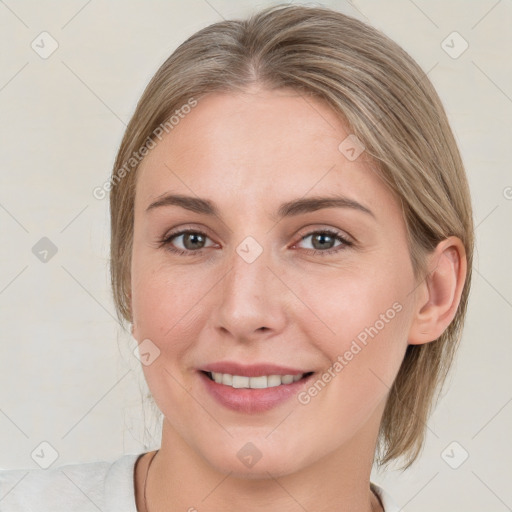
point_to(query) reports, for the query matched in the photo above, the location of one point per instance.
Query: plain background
(68, 375)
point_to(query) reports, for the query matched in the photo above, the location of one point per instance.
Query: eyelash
(166, 242)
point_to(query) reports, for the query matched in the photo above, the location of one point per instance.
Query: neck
(180, 479)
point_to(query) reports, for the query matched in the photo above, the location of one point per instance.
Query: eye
(323, 241)
(192, 241)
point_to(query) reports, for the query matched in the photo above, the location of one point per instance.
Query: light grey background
(67, 371)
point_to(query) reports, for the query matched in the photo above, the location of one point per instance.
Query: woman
(291, 242)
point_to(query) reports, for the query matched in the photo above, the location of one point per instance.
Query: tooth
(240, 381)
(273, 380)
(258, 382)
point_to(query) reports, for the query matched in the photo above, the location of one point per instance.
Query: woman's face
(265, 276)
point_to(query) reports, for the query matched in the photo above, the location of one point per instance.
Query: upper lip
(253, 370)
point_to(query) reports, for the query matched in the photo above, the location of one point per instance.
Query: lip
(253, 370)
(253, 401)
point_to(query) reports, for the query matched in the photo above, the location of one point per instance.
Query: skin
(248, 153)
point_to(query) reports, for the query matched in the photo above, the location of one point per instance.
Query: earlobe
(439, 294)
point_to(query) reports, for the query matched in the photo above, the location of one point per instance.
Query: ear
(438, 295)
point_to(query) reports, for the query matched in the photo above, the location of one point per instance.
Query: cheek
(362, 316)
(166, 309)
(363, 336)
(163, 301)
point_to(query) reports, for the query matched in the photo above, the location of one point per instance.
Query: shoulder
(387, 502)
(103, 485)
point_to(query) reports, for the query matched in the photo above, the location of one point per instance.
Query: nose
(251, 301)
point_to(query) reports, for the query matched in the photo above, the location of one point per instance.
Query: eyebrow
(288, 209)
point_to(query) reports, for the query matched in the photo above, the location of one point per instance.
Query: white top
(92, 486)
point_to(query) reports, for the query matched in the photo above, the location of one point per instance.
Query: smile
(253, 394)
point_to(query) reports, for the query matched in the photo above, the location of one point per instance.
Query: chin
(258, 459)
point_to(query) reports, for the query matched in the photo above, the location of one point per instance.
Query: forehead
(261, 144)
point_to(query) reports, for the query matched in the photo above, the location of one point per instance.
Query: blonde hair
(385, 99)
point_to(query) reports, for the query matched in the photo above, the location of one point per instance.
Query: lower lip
(249, 401)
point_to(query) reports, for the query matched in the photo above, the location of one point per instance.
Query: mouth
(255, 382)
(266, 387)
